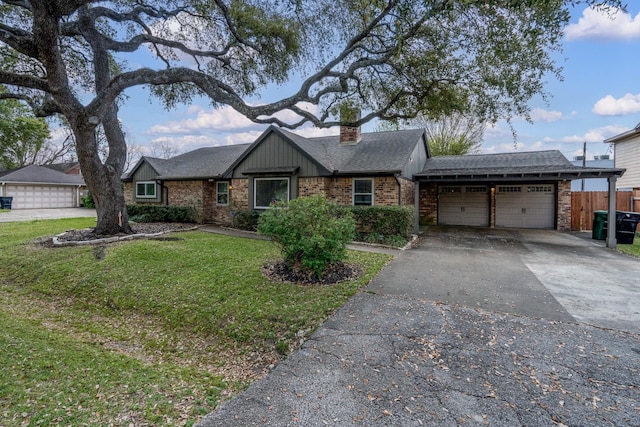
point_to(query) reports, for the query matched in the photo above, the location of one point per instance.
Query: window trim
(146, 196)
(218, 193)
(274, 178)
(354, 194)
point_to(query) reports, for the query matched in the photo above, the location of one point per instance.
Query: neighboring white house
(626, 149)
(592, 184)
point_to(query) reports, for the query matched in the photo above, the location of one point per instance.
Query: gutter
(399, 189)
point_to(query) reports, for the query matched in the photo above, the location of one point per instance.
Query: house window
(222, 193)
(269, 190)
(363, 192)
(146, 190)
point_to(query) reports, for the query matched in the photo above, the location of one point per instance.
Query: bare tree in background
(453, 135)
(164, 150)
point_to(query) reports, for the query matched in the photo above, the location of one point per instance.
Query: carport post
(611, 221)
(416, 208)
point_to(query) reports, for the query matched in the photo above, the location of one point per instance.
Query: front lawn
(146, 332)
(631, 249)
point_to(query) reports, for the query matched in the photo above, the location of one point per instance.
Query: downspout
(416, 208)
(399, 189)
(611, 221)
(166, 192)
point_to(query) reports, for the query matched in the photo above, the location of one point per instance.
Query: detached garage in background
(514, 190)
(38, 187)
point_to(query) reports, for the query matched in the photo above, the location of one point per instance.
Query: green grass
(146, 331)
(631, 249)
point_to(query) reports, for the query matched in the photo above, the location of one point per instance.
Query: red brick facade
(388, 191)
(564, 206)
(428, 203)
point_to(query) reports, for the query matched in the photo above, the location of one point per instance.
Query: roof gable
(377, 152)
(39, 174)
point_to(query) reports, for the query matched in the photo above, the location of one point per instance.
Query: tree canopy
(391, 58)
(22, 136)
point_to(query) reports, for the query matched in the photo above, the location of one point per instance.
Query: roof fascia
(624, 136)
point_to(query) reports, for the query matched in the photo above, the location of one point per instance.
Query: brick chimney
(349, 134)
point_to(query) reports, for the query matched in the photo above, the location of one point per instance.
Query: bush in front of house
(391, 225)
(87, 201)
(246, 220)
(154, 213)
(312, 232)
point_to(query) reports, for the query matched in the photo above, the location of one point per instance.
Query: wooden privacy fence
(584, 203)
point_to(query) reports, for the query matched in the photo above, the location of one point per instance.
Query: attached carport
(510, 190)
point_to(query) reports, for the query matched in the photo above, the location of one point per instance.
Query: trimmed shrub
(246, 220)
(154, 213)
(312, 233)
(87, 201)
(384, 220)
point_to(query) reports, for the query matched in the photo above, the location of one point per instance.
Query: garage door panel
(463, 205)
(525, 206)
(41, 196)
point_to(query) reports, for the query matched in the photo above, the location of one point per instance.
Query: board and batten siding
(275, 152)
(627, 156)
(146, 173)
(416, 161)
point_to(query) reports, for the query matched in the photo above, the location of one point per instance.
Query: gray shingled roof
(39, 174)
(527, 165)
(376, 152)
(62, 167)
(206, 162)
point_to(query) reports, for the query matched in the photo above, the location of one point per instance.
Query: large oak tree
(390, 58)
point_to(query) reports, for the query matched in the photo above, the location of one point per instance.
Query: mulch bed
(87, 234)
(334, 273)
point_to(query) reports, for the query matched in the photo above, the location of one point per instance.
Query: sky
(598, 98)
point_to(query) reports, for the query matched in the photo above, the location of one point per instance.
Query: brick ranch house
(521, 190)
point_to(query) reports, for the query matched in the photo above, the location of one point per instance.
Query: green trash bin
(599, 228)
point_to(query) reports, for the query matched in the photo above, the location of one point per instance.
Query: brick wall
(187, 193)
(428, 203)
(564, 206)
(127, 187)
(407, 188)
(310, 186)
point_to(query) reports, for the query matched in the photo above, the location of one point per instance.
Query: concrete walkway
(431, 342)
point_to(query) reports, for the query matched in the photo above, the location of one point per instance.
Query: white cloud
(224, 119)
(592, 135)
(610, 106)
(542, 115)
(506, 147)
(604, 25)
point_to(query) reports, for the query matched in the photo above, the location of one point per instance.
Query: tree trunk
(103, 179)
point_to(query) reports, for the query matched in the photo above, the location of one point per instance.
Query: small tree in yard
(311, 232)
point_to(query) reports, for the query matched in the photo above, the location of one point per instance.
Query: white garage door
(525, 206)
(40, 196)
(463, 205)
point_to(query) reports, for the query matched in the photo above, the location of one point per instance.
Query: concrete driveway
(475, 326)
(35, 214)
(534, 273)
